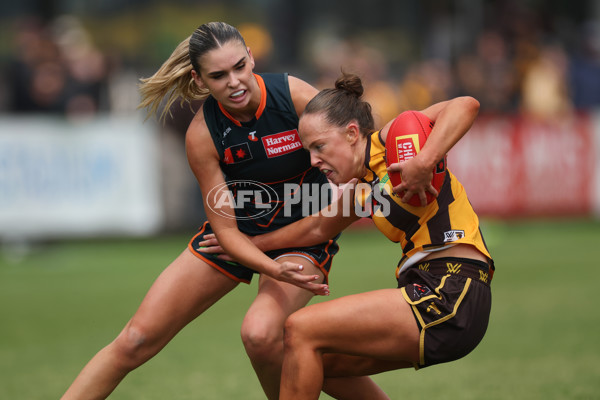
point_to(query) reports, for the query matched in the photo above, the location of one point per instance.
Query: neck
(360, 157)
(243, 115)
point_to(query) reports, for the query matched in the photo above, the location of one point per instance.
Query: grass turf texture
(61, 302)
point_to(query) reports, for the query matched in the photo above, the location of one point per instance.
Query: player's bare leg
(353, 388)
(184, 290)
(262, 328)
(262, 334)
(347, 326)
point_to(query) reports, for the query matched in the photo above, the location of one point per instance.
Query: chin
(339, 181)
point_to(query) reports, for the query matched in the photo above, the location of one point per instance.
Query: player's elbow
(470, 104)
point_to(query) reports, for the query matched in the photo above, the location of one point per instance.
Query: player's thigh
(377, 324)
(184, 290)
(276, 300)
(336, 365)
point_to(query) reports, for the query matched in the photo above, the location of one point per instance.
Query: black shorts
(451, 301)
(320, 255)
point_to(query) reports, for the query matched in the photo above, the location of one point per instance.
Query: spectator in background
(429, 81)
(545, 94)
(488, 74)
(584, 67)
(37, 77)
(57, 69)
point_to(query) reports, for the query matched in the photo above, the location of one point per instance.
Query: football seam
(420, 124)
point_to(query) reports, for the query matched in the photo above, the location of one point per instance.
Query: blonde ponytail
(172, 80)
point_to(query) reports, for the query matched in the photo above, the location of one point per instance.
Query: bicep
(301, 92)
(434, 110)
(204, 163)
(465, 106)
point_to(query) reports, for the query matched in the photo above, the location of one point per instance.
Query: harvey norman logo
(281, 143)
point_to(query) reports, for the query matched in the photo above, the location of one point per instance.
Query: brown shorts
(451, 301)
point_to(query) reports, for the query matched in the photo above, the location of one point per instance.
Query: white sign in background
(62, 179)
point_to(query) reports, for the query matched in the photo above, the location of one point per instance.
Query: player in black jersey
(244, 149)
(441, 308)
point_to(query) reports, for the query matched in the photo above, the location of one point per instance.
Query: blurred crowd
(518, 62)
(523, 63)
(56, 69)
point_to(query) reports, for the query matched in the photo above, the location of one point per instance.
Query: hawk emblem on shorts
(420, 291)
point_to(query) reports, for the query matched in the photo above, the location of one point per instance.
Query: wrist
(427, 160)
(259, 242)
(271, 269)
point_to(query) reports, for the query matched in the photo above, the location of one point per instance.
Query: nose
(233, 80)
(314, 160)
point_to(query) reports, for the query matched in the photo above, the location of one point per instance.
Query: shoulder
(301, 92)
(383, 133)
(198, 139)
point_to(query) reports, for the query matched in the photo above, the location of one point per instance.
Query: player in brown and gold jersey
(440, 312)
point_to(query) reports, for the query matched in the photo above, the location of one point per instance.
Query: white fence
(78, 179)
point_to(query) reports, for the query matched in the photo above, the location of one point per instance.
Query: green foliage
(61, 302)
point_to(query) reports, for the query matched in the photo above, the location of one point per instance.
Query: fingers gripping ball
(406, 137)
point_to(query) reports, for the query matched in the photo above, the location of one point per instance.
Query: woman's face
(336, 151)
(227, 73)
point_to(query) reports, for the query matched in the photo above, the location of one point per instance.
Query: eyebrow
(214, 73)
(311, 144)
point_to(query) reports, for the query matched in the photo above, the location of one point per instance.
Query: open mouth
(238, 94)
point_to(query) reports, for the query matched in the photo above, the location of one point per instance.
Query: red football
(405, 139)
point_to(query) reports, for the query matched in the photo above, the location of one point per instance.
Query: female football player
(441, 308)
(244, 138)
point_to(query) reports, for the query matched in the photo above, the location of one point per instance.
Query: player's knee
(132, 347)
(294, 332)
(261, 340)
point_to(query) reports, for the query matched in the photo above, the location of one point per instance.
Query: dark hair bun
(350, 83)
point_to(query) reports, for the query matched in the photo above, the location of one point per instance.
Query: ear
(251, 57)
(198, 80)
(352, 132)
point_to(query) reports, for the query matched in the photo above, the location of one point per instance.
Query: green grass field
(61, 302)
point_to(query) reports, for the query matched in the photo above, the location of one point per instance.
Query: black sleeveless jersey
(265, 166)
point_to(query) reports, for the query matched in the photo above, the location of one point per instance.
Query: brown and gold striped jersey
(448, 220)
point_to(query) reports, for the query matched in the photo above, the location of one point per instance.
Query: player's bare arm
(452, 119)
(308, 231)
(302, 92)
(204, 162)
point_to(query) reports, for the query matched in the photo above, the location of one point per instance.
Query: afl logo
(255, 198)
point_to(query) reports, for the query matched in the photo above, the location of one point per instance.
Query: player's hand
(416, 179)
(292, 273)
(210, 245)
(287, 271)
